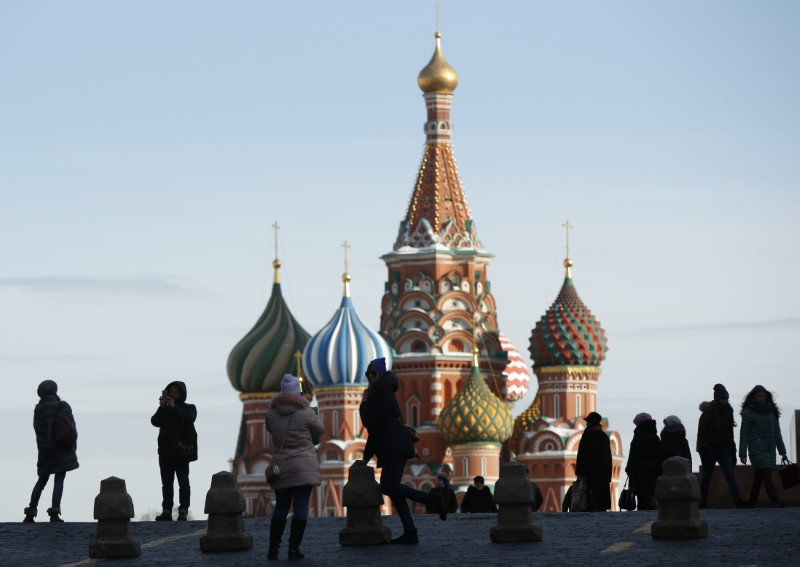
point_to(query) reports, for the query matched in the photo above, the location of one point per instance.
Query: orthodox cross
(346, 247)
(276, 227)
(438, 7)
(567, 226)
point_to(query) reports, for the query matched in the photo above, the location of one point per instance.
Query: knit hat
(672, 421)
(444, 479)
(593, 418)
(641, 417)
(47, 388)
(290, 385)
(378, 365)
(720, 393)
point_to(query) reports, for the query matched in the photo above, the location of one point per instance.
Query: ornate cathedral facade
(439, 331)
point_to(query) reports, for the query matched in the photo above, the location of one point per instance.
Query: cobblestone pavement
(736, 537)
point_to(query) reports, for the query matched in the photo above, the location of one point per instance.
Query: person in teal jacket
(760, 436)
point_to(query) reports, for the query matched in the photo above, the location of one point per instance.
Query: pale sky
(147, 147)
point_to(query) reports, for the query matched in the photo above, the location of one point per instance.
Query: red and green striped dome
(568, 334)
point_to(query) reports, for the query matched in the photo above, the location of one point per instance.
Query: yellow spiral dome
(438, 76)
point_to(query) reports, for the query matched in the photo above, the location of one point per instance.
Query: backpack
(64, 433)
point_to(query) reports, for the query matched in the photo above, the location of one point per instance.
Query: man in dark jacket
(53, 458)
(389, 440)
(594, 463)
(716, 445)
(478, 498)
(177, 446)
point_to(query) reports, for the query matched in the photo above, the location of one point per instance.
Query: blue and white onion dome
(338, 354)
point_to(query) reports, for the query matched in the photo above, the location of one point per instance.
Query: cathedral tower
(438, 288)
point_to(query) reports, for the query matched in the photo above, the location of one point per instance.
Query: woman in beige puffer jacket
(292, 424)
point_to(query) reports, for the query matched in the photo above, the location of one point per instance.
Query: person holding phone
(174, 418)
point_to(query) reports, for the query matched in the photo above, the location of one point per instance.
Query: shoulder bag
(64, 433)
(273, 471)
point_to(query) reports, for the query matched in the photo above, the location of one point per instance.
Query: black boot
(30, 514)
(54, 514)
(276, 527)
(295, 537)
(409, 537)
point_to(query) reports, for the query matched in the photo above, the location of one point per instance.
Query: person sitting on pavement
(443, 488)
(478, 498)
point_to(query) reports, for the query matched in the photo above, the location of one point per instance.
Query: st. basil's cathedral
(459, 375)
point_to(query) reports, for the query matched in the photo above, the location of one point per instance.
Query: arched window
(465, 465)
(578, 406)
(335, 426)
(483, 466)
(414, 417)
(356, 424)
(556, 408)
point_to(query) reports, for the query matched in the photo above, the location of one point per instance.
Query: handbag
(64, 433)
(580, 496)
(789, 474)
(273, 471)
(627, 498)
(412, 432)
(187, 444)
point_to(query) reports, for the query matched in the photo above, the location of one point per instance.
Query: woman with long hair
(760, 436)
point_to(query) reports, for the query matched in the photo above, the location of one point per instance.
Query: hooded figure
(292, 424)
(53, 459)
(594, 462)
(177, 446)
(644, 461)
(673, 440)
(443, 488)
(389, 440)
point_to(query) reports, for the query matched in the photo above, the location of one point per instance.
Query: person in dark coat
(715, 444)
(53, 459)
(443, 490)
(293, 425)
(644, 461)
(594, 463)
(389, 440)
(478, 499)
(673, 440)
(175, 420)
(761, 436)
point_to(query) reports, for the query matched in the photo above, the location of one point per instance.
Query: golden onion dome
(438, 76)
(475, 414)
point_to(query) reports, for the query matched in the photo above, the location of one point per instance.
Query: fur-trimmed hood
(286, 404)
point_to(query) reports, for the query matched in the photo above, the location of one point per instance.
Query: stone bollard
(113, 510)
(678, 495)
(224, 506)
(515, 498)
(363, 499)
